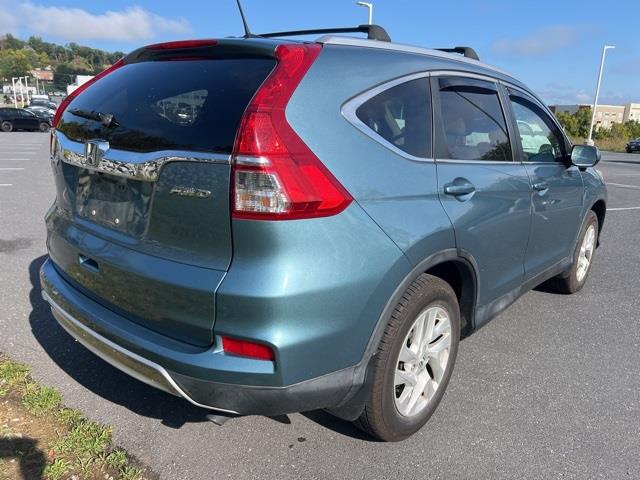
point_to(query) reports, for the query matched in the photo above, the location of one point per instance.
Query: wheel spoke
(405, 378)
(443, 343)
(443, 326)
(418, 330)
(408, 356)
(417, 391)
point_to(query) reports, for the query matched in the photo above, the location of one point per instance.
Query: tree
(17, 63)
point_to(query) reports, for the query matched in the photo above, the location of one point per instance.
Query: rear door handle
(541, 186)
(458, 189)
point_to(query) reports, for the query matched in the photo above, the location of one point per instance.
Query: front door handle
(541, 186)
(458, 189)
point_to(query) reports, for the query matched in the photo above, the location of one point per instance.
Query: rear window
(169, 105)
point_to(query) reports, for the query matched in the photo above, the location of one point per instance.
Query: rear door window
(472, 123)
(169, 105)
(401, 117)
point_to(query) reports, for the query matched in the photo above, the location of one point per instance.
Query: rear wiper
(107, 119)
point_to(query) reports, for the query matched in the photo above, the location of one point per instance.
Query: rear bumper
(181, 369)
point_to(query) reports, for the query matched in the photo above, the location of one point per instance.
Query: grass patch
(45, 440)
(40, 401)
(12, 374)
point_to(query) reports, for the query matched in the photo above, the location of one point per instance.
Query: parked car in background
(281, 226)
(41, 109)
(58, 93)
(12, 119)
(633, 146)
(39, 102)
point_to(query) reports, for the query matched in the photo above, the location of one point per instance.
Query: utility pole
(589, 140)
(370, 7)
(13, 88)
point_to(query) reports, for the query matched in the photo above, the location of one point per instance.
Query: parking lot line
(622, 185)
(622, 208)
(14, 159)
(11, 168)
(6, 185)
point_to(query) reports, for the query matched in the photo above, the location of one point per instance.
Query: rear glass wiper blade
(107, 119)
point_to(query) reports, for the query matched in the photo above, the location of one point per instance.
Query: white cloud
(8, 22)
(75, 24)
(542, 41)
(555, 94)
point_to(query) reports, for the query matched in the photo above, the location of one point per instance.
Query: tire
(43, 127)
(383, 417)
(6, 126)
(574, 279)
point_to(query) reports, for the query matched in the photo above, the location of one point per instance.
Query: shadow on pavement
(31, 459)
(96, 374)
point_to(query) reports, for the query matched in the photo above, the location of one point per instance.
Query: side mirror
(585, 156)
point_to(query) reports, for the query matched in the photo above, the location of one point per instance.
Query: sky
(554, 46)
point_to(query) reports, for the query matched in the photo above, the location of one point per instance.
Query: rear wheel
(6, 126)
(414, 361)
(44, 127)
(574, 279)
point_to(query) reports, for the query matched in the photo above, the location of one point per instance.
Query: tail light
(67, 100)
(244, 348)
(275, 174)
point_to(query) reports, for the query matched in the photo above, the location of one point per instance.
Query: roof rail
(466, 51)
(374, 32)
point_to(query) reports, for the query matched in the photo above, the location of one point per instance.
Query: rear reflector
(275, 174)
(244, 348)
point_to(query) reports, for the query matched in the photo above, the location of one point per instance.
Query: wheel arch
(458, 269)
(600, 209)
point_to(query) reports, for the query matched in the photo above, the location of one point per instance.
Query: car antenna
(247, 32)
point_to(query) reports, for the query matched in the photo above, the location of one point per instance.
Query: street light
(370, 7)
(589, 140)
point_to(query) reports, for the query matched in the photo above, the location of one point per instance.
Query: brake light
(67, 100)
(244, 348)
(182, 44)
(275, 174)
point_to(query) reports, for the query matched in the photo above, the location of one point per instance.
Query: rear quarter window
(169, 105)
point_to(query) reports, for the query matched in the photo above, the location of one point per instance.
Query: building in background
(43, 74)
(80, 80)
(632, 112)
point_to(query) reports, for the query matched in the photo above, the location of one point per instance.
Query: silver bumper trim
(171, 386)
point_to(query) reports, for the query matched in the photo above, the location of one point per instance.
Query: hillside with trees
(19, 57)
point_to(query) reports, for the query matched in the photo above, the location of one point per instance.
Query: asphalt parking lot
(550, 388)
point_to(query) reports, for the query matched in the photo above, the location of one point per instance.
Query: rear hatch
(142, 169)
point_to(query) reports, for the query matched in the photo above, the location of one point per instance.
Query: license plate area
(118, 203)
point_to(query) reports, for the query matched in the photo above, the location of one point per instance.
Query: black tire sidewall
(3, 124)
(45, 129)
(400, 425)
(574, 284)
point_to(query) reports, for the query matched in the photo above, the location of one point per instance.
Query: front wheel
(44, 127)
(574, 279)
(414, 361)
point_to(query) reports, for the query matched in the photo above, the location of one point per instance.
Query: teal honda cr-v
(265, 226)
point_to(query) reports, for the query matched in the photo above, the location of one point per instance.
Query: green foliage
(18, 58)
(57, 470)
(12, 373)
(70, 417)
(577, 126)
(86, 440)
(41, 400)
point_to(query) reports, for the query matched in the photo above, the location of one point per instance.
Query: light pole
(589, 140)
(370, 7)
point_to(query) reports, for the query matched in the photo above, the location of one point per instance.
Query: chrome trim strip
(134, 165)
(399, 47)
(108, 343)
(350, 107)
